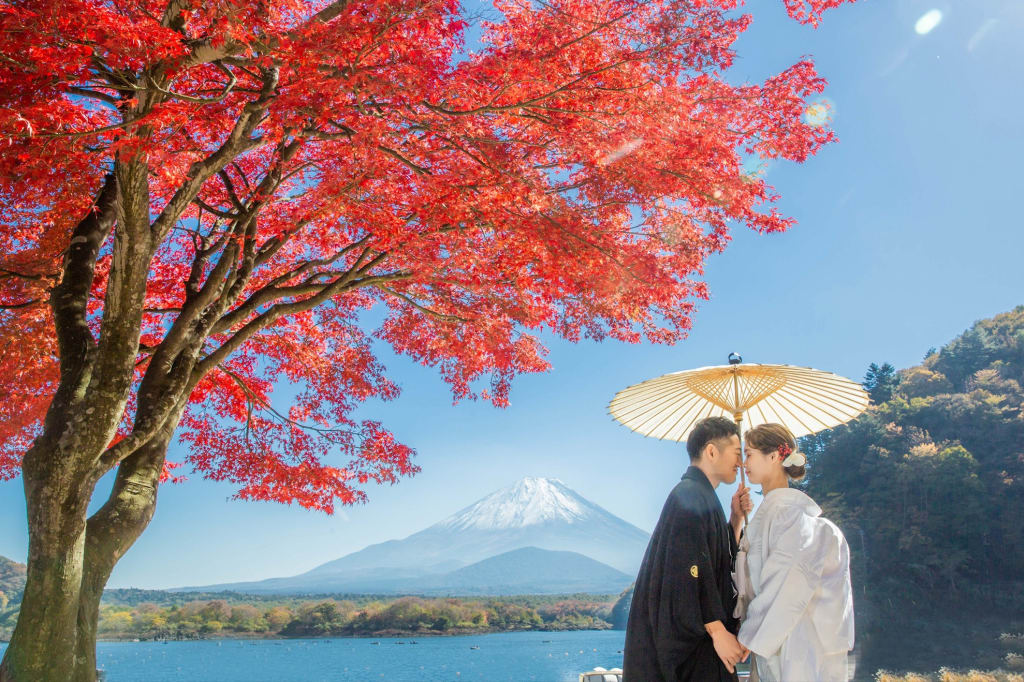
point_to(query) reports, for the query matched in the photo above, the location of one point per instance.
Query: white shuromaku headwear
(792, 459)
(795, 459)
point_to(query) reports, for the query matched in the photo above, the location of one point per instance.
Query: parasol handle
(738, 416)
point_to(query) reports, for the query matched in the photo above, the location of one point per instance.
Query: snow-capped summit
(530, 501)
(533, 512)
(542, 514)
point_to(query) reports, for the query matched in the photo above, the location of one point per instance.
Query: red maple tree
(200, 201)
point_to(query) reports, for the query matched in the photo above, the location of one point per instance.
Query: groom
(680, 626)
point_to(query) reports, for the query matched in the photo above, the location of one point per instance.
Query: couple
(794, 610)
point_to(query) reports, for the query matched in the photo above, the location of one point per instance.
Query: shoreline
(376, 634)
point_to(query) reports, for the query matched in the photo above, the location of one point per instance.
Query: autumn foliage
(316, 160)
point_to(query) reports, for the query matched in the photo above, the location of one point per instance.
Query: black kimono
(684, 582)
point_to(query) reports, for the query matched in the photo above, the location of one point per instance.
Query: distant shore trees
(346, 617)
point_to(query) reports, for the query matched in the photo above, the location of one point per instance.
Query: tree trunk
(71, 558)
(43, 643)
(111, 531)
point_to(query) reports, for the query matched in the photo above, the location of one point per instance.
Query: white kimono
(799, 622)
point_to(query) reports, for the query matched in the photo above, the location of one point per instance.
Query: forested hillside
(928, 486)
(12, 581)
(12, 584)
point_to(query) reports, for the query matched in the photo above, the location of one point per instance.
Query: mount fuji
(574, 545)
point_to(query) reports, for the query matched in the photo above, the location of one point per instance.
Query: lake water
(504, 657)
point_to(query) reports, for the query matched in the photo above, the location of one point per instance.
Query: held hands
(741, 503)
(729, 649)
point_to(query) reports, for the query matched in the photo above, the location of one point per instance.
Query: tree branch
(420, 170)
(237, 142)
(232, 81)
(101, 96)
(438, 109)
(267, 318)
(330, 12)
(70, 297)
(432, 313)
(230, 187)
(172, 393)
(220, 213)
(272, 291)
(251, 398)
(600, 249)
(69, 300)
(26, 304)
(10, 274)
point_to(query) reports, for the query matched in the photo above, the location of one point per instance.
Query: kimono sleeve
(711, 608)
(694, 583)
(789, 578)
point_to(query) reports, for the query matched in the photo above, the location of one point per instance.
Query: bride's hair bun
(796, 472)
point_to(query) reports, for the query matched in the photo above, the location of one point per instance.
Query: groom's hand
(741, 503)
(728, 648)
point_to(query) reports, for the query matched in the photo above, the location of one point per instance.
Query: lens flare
(928, 21)
(754, 167)
(624, 150)
(820, 112)
(980, 34)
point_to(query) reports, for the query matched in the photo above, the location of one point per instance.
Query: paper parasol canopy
(805, 400)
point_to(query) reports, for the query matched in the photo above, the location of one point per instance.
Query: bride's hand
(728, 648)
(741, 502)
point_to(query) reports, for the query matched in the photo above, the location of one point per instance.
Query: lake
(504, 657)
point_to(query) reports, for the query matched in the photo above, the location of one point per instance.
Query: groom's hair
(707, 430)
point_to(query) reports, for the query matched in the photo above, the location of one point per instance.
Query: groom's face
(728, 458)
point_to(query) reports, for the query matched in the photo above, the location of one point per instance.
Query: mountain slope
(538, 512)
(530, 571)
(535, 512)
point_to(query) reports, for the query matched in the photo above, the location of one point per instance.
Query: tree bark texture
(71, 558)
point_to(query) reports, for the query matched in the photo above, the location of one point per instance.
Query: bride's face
(760, 466)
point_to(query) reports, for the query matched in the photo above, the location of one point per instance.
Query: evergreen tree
(881, 382)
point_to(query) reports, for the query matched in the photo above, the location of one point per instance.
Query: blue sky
(908, 232)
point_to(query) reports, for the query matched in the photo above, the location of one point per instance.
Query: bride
(794, 575)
